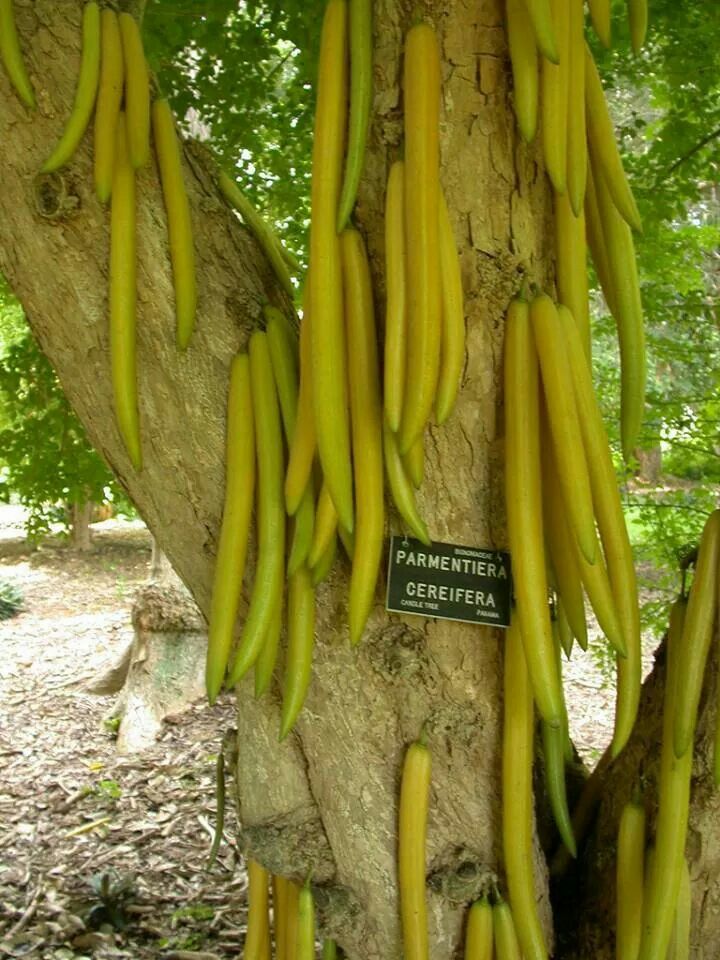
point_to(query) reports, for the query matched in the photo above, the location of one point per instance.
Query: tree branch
(691, 153)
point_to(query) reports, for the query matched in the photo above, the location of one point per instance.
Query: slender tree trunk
(160, 568)
(326, 799)
(80, 517)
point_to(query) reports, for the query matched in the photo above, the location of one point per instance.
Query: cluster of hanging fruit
(114, 82)
(653, 880)
(325, 432)
(314, 427)
(292, 930)
(557, 88)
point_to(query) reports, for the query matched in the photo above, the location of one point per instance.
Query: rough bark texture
(327, 798)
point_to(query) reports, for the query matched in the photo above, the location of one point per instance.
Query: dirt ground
(75, 816)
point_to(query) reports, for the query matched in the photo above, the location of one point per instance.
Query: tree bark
(80, 516)
(326, 799)
(587, 894)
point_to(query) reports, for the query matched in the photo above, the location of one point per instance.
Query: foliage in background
(666, 104)
(46, 460)
(242, 75)
(11, 600)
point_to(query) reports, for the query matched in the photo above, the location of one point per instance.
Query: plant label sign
(449, 581)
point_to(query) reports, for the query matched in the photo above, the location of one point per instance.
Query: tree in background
(46, 460)
(667, 110)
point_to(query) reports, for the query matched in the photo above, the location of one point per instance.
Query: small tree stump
(167, 662)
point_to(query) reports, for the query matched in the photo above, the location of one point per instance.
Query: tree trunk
(587, 893)
(80, 516)
(326, 799)
(160, 568)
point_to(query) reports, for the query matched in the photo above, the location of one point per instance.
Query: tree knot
(53, 201)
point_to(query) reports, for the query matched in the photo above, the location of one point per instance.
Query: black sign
(449, 581)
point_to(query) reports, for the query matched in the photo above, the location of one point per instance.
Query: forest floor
(75, 815)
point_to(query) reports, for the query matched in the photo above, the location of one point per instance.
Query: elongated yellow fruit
(630, 880)
(541, 17)
(613, 533)
(412, 830)
(554, 96)
(555, 741)
(600, 16)
(638, 16)
(673, 807)
(137, 91)
(257, 937)
(422, 185)
(523, 498)
(361, 90)
(680, 940)
(517, 795)
(301, 637)
(284, 363)
(306, 925)
(85, 93)
(564, 423)
(479, 932)
(321, 570)
(329, 358)
(452, 352)
(414, 462)
(366, 417)
(265, 236)
(291, 928)
(563, 630)
(326, 521)
(177, 207)
(109, 98)
(283, 347)
(571, 266)
(597, 586)
(603, 147)
(11, 54)
(304, 523)
(280, 889)
(123, 299)
(395, 295)
(504, 935)
(267, 658)
(628, 315)
(594, 577)
(524, 60)
(270, 511)
(302, 448)
(576, 126)
(237, 514)
(583, 813)
(401, 487)
(560, 546)
(697, 635)
(596, 242)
